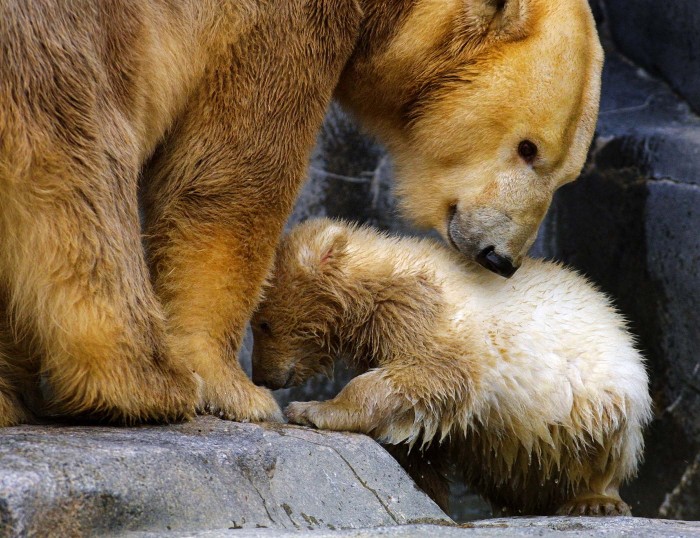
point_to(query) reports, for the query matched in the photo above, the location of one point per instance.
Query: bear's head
(296, 322)
(487, 106)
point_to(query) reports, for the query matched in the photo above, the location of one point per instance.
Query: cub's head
(488, 106)
(295, 323)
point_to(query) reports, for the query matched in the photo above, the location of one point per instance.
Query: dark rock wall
(663, 37)
(631, 223)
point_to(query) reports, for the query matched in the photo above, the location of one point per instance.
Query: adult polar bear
(487, 106)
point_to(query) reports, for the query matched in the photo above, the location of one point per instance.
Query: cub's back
(544, 336)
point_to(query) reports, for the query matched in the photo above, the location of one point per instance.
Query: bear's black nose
(501, 265)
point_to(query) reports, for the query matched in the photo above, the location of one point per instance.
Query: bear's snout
(490, 237)
(501, 265)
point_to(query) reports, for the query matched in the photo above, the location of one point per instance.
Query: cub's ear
(498, 19)
(326, 251)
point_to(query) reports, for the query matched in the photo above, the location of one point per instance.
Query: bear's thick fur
(207, 111)
(531, 385)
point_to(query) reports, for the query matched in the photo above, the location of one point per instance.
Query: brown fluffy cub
(531, 385)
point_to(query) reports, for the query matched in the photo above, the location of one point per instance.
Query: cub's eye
(527, 151)
(264, 326)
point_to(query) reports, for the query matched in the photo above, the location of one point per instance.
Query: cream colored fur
(533, 385)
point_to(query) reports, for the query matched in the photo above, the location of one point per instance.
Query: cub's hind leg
(598, 493)
(429, 469)
(606, 465)
(606, 502)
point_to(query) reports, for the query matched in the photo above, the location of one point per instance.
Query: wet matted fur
(531, 386)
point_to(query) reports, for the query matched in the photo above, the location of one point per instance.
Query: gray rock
(349, 178)
(664, 37)
(512, 527)
(207, 474)
(684, 501)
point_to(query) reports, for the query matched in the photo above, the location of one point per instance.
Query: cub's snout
(272, 367)
(271, 379)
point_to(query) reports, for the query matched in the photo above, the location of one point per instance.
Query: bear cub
(530, 386)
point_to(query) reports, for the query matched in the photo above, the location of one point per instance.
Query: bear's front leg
(221, 187)
(12, 410)
(73, 275)
(209, 276)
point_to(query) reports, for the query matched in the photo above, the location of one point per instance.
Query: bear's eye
(264, 326)
(527, 151)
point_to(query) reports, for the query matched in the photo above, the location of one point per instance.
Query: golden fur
(208, 110)
(532, 386)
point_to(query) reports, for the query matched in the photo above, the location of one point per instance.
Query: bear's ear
(326, 252)
(497, 19)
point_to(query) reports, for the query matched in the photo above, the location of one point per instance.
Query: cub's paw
(241, 402)
(302, 413)
(595, 505)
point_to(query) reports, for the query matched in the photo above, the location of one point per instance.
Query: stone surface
(664, 37)
(349, 178)
(512, 527)
(207, 474)
(684, 501)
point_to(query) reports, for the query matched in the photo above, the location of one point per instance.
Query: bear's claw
(598, 505)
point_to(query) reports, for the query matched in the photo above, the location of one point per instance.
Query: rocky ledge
(206, 474)
(619, 527)
(211, 478)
